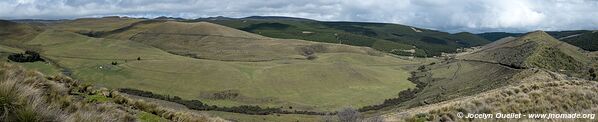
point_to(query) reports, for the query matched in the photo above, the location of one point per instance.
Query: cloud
(446, 15)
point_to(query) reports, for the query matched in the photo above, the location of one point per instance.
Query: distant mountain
(587, 40)
(393, 38)
(277, 18)
(493, 36)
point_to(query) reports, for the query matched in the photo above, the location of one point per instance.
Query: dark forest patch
(274, 26)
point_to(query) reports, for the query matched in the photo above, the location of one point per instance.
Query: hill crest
(533, 50)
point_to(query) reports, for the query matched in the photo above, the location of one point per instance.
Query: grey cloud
(446, 15)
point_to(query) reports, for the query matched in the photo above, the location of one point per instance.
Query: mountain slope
(329, 78)
(534, 50)
(393, 36)
(587, 41)
(93, 25)
(12, 33)
(496, 65)
(537, 92)
(584, 39)
(210, 41)
(501, 77)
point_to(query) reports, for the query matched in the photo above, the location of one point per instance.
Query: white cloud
(447, 15)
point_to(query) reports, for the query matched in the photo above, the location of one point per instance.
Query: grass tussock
(545, 93)
(30, 96)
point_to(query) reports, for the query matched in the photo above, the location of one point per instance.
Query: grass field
(330, 82)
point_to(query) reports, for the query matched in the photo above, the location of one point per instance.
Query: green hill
(93, 25)
(14, 34)
(536, 92)
(496, 65)
(226, 65)
(534, 50)
(584, 39)
(210, 41)
(381, 36)
(587, 41)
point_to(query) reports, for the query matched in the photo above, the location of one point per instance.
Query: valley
(255, 74)
(292, 69)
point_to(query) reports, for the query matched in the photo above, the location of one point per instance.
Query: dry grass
(30, 96)
(541, 92)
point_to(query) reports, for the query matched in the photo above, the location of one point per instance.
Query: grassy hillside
(534, 50)
(14, 34)
(587, 41)
(27, 95)
(541, 92)
(512, 75)
(386, 37)
(91, 25)
(496, 65)
(325, 83)
(584, 39)
(446, 80)
(210, 41)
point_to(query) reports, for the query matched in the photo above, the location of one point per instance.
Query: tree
(348, 115)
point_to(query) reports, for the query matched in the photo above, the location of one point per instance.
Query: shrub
(28, 56)
(348, 115)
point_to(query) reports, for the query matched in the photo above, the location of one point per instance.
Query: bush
(348, 115)
(28, 56)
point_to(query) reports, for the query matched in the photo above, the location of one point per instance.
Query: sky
(445, 15)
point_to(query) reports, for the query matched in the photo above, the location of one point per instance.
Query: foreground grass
(27, 95)
(537, 92)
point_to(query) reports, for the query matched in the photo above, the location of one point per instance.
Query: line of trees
(198, 105)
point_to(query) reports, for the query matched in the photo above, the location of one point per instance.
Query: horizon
(521, 32)
(449, 16)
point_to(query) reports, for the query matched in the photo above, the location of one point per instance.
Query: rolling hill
(386, 37)
(293, 69)
(536, 92)
(498, 65)
(210, 41)
(93, 26)
(584, 39)
(534, 50)
(230, 62)
(13, 33)
(587, 41)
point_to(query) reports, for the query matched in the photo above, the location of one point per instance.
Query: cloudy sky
(445, 15)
